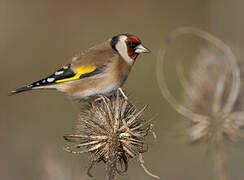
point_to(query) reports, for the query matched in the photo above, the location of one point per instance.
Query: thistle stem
(112, 160)
(220, 162)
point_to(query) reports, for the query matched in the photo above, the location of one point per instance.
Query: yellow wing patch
(79, 71)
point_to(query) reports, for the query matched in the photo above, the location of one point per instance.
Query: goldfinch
(100, 70)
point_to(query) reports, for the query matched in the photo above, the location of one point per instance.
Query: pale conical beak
(141, 49)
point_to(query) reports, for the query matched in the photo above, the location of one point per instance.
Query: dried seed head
(208, 92)
(111, 130)
(212, 92)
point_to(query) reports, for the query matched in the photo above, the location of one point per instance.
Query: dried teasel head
(112, 130)
(208, 92)
(211, 94)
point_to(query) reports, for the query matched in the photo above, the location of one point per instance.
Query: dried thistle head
(112, 130)
(211, 94)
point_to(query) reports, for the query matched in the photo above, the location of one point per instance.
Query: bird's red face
(128, 46)
(134, 47)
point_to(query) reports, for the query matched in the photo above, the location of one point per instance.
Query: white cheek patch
(122, 49)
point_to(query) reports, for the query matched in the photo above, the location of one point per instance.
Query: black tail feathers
(35, 85)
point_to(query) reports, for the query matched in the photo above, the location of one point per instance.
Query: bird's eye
(131, 44)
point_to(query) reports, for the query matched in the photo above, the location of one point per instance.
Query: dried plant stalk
(112, 130)
(219, 162)
(210, 96)
(112, 160)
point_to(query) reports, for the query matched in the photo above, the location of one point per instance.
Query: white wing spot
(44, 81)
(29, 85)
(65, 67)
(37, 84)
(59, 72)
(50, 79)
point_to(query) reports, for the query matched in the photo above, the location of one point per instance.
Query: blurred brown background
(36, 37)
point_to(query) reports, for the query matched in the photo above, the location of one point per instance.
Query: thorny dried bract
(211, 93)
(112, 130)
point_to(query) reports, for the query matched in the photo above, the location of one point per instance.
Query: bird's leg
(123, 94)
